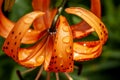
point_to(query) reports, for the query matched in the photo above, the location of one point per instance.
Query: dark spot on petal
(55, 56)
(55, 62)
(54, 50)
(8, 43)
(6, 47)
(55, 67)
(69, 57)
(103, 27)
(21, 39)
(19, 33)
(101, 39)
(58, 70)
(61, 65)
(13, 56)
(12, 32)
(15, 43)
(52, 57)
(12, 50)
(71, 54)
(51, 63)
(15, 37)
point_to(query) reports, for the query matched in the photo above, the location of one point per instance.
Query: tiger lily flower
(55, 50)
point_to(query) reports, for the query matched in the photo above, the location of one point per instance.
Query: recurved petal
(96, 7)
(30, 36)
(46, 20)
(12, 43)
(33, 56)
(6, 26)
(33, 36)
(62, 56)
(98, 26)
(92, 20)
(82, 29)
(86, 50)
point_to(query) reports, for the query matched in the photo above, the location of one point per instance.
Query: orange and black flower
(56, 50)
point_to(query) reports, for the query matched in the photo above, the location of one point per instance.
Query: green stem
(60, 9)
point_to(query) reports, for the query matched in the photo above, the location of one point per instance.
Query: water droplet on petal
(28, 20)
(66, 39)
(84, 44)
(68, 49)
(65, 28)
(40, 59)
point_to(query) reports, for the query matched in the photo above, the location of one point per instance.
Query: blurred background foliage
(106, 67)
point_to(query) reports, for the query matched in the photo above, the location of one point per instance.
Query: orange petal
(6, 26)
(100, 29)
(96, 7)
(82, 29)
(46, 20)
(38, 6)
(62, 55)
(92, 20)
(33, 56)
(1, 1)
(86, 50)
(48, 50)
(33, 36)
(12, 43)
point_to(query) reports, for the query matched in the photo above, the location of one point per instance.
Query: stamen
(57, 76)
(68, 76)
(19, 75)
(28, 70)
(48, 76)
(39, 73)
(79, 68)
(76, 67)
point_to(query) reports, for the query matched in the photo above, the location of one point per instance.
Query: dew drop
(40, 59)
(65, 28)
(68, 49)
(66, 39)
(84, 44)
(28, 20)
